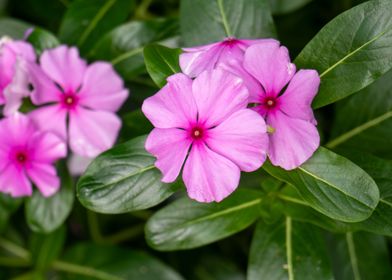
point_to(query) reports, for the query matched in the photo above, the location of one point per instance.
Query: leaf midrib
(101, 13)
(225, 23)
(359, 129)
(354, 52)
(353, 255)
(333, 186)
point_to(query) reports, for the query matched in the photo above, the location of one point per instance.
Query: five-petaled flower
(85, 96)
(206, 124)
(14, 78)
(26, 153)
(287, 111)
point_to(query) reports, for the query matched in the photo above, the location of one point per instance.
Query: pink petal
(270, 64)
(242, 138)
(218, 94)
(64, 65)
(77, 165)
(17, 89)
(22, 49)
(51, 118)
(173, 105)
(209, 176)
(47, 147)
(45, 178)
(198, 59)
(293, 142)
(256, 91)
(92, 132)
(170, 146)
(16, 130)
(14, 181)
(102, 88)
(297, 99)
(44, 89)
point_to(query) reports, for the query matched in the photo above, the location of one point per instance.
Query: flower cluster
(74, 105)
(236, 103)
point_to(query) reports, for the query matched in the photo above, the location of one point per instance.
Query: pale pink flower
(205, 123)
(293, 136)
(195, 60)
(27, 154)
(81, 100)
(14, 82)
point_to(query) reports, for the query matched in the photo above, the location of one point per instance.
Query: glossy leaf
(46, 214)
(87, 20)
(42, 39)
(123, 46)
(45, 248)
(206, 21)
(360, 256)
(350, 58)
(332, 185)
(364, 121)
(13, 28)
(288, 250)
(123, 179)
(186, 224)
(107, 262)
(161, 62)
(135, 124)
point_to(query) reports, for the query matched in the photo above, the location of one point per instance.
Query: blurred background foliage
(94, 245)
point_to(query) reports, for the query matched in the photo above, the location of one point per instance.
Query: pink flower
(84, 96)
(205, 123)
(198, 59)
(14, 84)
(288, 112)
(27, 154)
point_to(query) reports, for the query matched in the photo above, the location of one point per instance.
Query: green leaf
(364, 121)
(280, 7)
(46, 214)
(288, 250)
(123, 179)
(42, 39)
(107, 262)
(8, 205)
(45, 248)
(123, 46)
(87, 20)
(186, 224)
(206, 21)
(161, 62)
(350, 58)
(360, 256)
(332, 185)
(13, 28)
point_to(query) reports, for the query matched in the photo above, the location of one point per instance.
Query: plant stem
(15, 249)
(125, 234)
(93, 226)
(83, 270)
(14, 262)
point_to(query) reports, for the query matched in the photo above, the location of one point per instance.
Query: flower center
(21, 157)
(270, 102)
(70, 100)
(197, 133)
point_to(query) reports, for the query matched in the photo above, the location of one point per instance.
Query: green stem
(14, 262)
(93, 226)
(83, 270)
(15, 249)
(125, 234)
(142, 10)
(289, 247)
(353, 255)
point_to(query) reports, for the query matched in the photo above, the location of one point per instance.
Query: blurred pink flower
(287, 111)
(205, 122)
(14, 83)
(198, 59)
(27, 153)
(81, 100)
